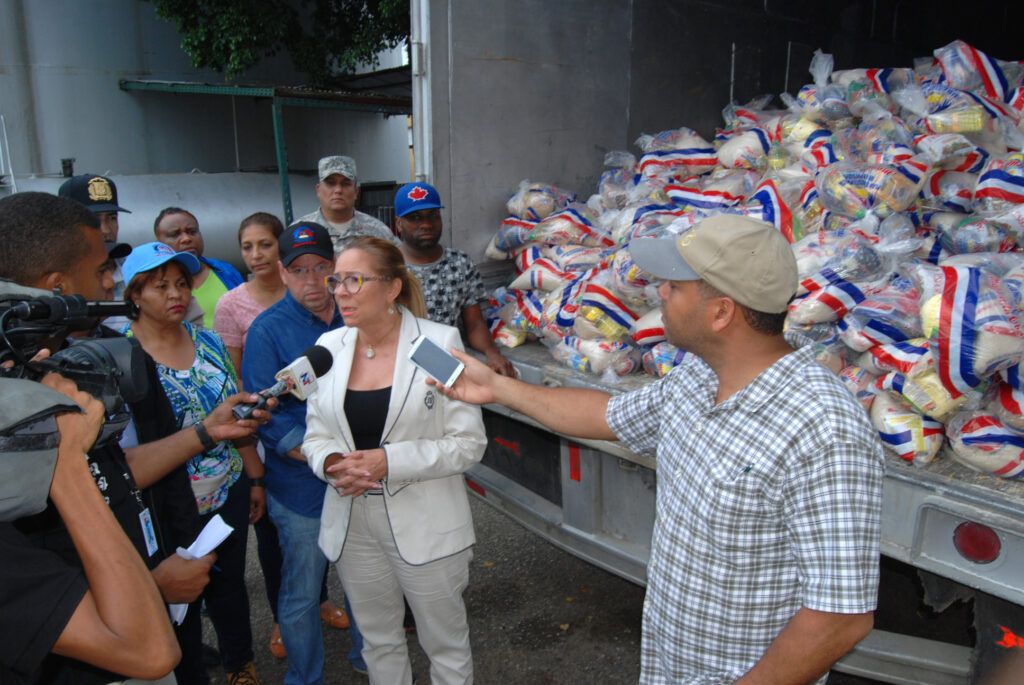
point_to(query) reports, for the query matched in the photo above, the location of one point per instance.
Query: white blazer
(429, 439)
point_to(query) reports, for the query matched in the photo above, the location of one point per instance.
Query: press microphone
(298, 378)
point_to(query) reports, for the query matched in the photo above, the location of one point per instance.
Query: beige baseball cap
(748, 260)
(337, 164)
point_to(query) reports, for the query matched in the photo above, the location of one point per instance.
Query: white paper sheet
(214, 533)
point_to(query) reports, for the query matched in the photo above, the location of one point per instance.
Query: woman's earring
(391, 309)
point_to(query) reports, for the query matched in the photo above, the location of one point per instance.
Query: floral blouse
(194, 393)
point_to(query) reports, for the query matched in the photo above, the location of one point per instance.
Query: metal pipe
(7, 146)
(732, 74)
(234, 130)
(419, 36)
(282, 160)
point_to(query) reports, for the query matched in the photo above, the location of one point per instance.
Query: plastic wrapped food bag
(941, 109)
(912, 437)
(537, 201)
(695, 197)
(512, 235)
(678, 152)
(951, 151)
(775, 210)
(949, 191)
(889, 316)
(900, 356)
(975, 234)
(1009, 401)
(542, 274)
(856, 189)
(971, 320)
(649, 329)
(662, 358)
(505, 336)
(628, 279)
(579, 257)
(592, 356)
(746, 150)
(603, 315)
(922, 389)
(982, 442)
(527, 256)
(967, 68)
(860, 383)
(574, 224)
(614, 188)
(821, 100)
(1001, 185)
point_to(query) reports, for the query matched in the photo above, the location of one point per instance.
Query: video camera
(113, 370)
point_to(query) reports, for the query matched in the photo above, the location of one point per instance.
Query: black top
(38, 593)
(366, 411)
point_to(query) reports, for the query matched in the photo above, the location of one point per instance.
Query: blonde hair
(390, 263)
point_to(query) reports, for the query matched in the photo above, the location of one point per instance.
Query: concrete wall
(60, 62)
(522, 89)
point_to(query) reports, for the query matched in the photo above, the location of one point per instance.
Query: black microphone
(298, 378)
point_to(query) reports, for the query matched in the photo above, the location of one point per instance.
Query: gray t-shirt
(450, 284)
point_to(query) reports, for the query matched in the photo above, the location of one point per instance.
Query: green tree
(323, 37)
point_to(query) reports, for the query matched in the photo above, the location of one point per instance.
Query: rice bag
(900, 356)
(912, 437)
(512, 235)
(774, 209)
(1000, 185)
(649, 329)
(982, 442)
(1008, 404)
(951, 151)
(746, 150)
(526, 256)
(542, 274)
(891, 315)
(560, 308)
(970, 318)
(537, 201)
(578, 257)
(575, 224)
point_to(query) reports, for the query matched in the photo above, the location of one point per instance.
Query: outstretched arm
(578, 412)
(121, 624)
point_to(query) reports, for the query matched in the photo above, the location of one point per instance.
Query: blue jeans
(298, 603)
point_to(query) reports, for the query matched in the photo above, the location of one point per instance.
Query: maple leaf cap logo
(417, 194)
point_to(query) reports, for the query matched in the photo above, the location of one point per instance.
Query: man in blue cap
(452, 285)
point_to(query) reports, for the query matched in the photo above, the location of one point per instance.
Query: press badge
(147, 531)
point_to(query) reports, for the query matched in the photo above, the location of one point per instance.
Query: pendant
(370, 354)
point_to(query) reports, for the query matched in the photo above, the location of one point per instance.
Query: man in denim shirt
(294, 495)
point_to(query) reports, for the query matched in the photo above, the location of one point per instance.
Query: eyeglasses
(352, 283)
(320, 270)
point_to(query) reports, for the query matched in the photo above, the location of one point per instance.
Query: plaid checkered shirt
(768, 502)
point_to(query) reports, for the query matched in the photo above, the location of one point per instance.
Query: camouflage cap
(337, 164)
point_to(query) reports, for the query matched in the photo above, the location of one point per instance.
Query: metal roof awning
(295, 96)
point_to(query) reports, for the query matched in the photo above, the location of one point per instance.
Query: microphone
(298, 378)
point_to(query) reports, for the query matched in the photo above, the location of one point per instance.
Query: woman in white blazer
(394, 450)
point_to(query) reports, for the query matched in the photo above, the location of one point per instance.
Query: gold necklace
(370, 353)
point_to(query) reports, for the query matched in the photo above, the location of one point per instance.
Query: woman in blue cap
(227, 477)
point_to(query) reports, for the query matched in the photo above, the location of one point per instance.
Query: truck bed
(922, 505)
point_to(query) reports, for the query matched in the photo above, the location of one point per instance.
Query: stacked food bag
(902, 193)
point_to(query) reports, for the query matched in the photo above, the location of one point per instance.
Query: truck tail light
(976, 542)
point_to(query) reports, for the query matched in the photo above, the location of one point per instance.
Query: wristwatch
(204, 436)
(258, 482)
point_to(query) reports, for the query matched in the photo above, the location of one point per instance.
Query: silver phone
(435, 360)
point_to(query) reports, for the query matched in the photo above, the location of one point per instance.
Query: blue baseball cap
(149, 256)
(412, 197)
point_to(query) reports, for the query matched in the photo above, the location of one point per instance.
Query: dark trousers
(225, 597)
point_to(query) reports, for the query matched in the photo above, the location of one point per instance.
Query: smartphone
(435, 360)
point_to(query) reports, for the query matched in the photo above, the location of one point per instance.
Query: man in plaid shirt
(764, 557)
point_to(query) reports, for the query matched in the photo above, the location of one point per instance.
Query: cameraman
(55, 244)
(113, 617)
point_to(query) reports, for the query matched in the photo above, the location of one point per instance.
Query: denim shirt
(277, 336)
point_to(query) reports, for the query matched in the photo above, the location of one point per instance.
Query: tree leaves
(324, 38)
